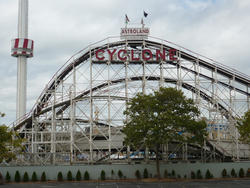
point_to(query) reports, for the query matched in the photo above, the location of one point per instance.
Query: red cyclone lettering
(172, 54)
(148, 52)
(134, 58)
(162, 55)
(111, 54)
(97, 54)
(120, 57)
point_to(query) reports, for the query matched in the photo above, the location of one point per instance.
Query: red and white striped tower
(22, 48)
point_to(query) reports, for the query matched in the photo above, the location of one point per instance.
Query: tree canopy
(8, 141)
(161, 117)
(244, 127)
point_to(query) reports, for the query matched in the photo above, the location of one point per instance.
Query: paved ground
(184, 184)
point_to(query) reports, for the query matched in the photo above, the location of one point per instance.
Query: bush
(145, 173)
(86, 175)
(165, 174)
(59, 176)
(120, 175)
(198, 174)
(248, 172)
(209, 175)
(17, 176)
(1, 179)
(179, 176)
(173, 174)
(69, 176)
(241, 173)
(25, 177)
(192, 175)
(43, 177)
(137, 174)
(233, 173)
(34, 177)
(224, 173)
(78, 176)
(103, 175)
(7, 177)
(112, 173)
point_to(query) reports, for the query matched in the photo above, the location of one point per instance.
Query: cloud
(60, 28)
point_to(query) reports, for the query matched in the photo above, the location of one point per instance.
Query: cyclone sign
(136, 55)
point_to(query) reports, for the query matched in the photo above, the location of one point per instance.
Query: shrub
(103, 175)
(241, 173)
(198, 174)
(248, 172)
(78, 176)
(173, 174)
(179, 176)
(233, 173)
(34, 177)
(165, 174)
(145, 173)
(185, 176)
(7, 177)
(209, 175)
(86, 175)
(59, 176)
(120, 175)
(112, 174)
(69, 176)
(43, 177)
(25, 177)
(224, 173)
(192, 175)
(17, 176)
(137, 174)
(1, 179)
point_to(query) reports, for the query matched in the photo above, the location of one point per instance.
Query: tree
(86, 175)
(244, 127)
(78, 176)
(17, 176)
(25, 177)
(145, 173)
(7, 177)
(224, 173)
(34, 177)
(209, 175)
(233, 173)
(241, 173)
(59, 176)
(8, 141)
(43, 177)
(120, 174)
(103, 175)
(69, 176)
(164, 116)
(138, 174)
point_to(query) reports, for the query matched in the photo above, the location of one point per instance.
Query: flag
(126, 18)
(142, 22)
(145, 14)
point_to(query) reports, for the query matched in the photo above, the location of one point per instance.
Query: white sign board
(134, 33)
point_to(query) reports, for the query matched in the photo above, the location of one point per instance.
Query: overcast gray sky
(218, 29)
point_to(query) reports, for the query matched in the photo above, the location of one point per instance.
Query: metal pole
(91, 110)
(22, 60)
(109, 109)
